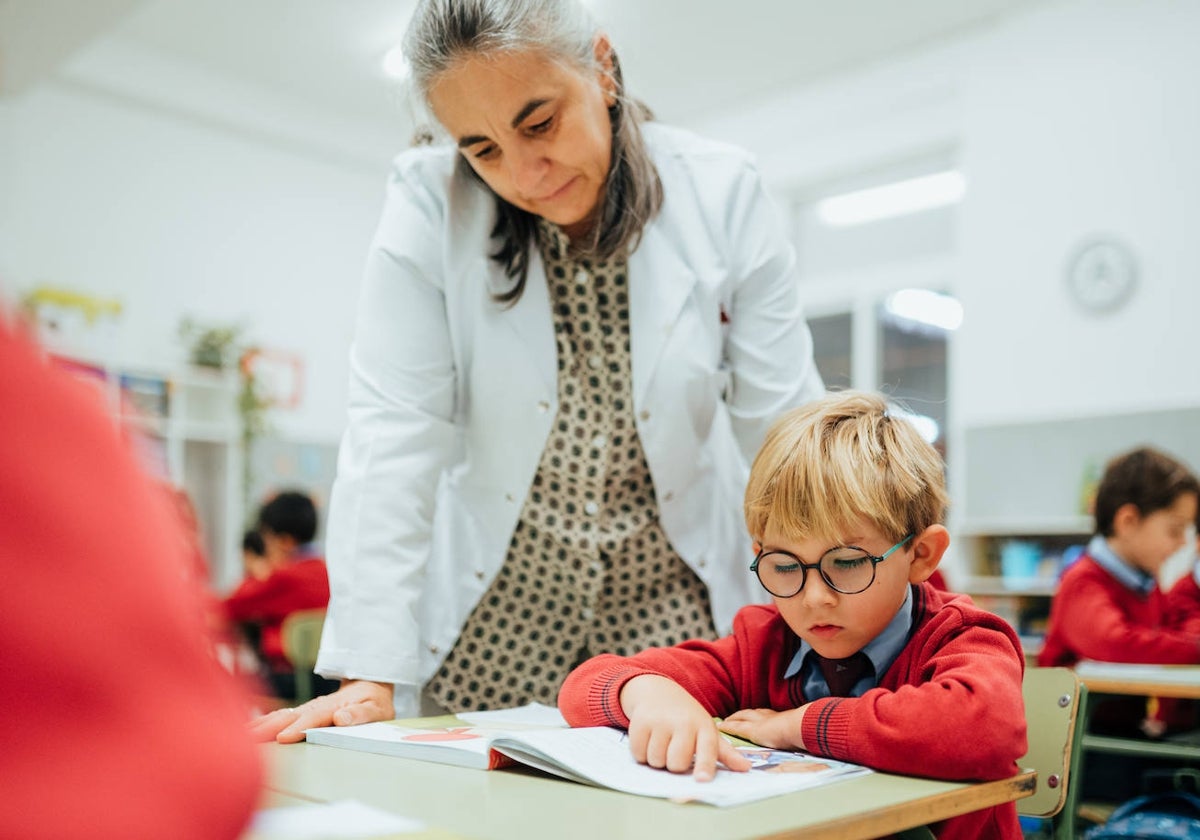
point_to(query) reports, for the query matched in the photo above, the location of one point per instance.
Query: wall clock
(1101, 274)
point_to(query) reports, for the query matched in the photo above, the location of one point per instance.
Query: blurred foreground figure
(119, 721)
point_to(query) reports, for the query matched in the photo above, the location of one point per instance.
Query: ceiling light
(897, 199)
(925, 307)
(394, 65)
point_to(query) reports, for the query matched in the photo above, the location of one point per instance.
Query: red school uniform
(303, 584)
(949, 707)
(1094, 616)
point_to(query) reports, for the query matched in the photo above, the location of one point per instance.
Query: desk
(519, 803)
(1182, 681)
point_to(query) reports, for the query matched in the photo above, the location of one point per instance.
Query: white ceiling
(682, 57)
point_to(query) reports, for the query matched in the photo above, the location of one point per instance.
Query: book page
(531, 714)
(601, 756)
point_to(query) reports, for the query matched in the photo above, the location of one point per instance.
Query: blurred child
(858, 658)
(290, 577)
(1108, 606)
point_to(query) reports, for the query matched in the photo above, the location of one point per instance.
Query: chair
(301, 636)
(1054, 702)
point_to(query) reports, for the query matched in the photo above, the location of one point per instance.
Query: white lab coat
(452, 397)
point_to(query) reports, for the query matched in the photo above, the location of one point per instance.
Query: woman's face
(536, 130)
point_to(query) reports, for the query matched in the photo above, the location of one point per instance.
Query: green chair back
(301, 633)
(1054, 702)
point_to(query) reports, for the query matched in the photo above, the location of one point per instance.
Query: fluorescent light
(898, 199)
(394, 65)
(926, 307)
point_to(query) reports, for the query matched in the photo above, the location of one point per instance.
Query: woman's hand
(768, 728)
(669, 729)
(357, 701)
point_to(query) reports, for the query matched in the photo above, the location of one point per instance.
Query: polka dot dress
(589, 569)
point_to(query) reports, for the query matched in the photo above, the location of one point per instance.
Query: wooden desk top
(526, 804)
(1141, 680)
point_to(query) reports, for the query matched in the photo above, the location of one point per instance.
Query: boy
(843, 506)
(1108, 605)
(293, 577)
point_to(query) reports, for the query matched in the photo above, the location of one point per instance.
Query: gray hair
(444, 31)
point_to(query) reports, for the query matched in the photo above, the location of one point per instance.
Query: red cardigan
(121, 724)
(303, 584)
(1093, 616)
(949, 707)
(1183, 604)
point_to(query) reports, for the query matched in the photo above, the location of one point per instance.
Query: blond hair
(847, 457)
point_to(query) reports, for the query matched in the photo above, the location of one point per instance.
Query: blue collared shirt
(882, 651)
(1135, 580)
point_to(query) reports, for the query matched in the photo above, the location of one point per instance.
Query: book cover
(598, 756)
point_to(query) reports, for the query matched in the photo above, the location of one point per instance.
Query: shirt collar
(882, 650)
(552, 240)
(1132, 579)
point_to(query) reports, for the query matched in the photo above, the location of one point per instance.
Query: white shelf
(986, 585)
(1027, 526)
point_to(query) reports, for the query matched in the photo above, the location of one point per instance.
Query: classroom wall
(1069, 120)
(1080, 119)
(177, 213)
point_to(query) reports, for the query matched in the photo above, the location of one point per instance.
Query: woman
(574, 331)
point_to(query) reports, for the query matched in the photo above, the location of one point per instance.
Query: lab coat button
(543, 407)
(644, 415)
(508, 497)
(479, 574)
(668, 496)
(434, 649)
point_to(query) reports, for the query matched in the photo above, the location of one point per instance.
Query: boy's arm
(958, 714)
(1183, 602)
(1096, 627)
(720, 675)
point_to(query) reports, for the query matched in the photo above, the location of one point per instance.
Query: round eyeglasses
(847, 569)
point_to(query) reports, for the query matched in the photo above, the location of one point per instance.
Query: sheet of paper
(330, 821)
(533, 714)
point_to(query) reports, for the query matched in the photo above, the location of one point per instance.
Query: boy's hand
(777, 730)
(669, 729)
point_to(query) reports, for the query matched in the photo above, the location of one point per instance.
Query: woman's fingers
(269, 726)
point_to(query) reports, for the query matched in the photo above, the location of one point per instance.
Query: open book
(538, 737)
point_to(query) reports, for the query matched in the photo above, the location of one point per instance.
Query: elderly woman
(575, 328)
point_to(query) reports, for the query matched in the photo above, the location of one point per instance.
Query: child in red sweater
(1108, 605)
(291, 577)
(843, 506)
